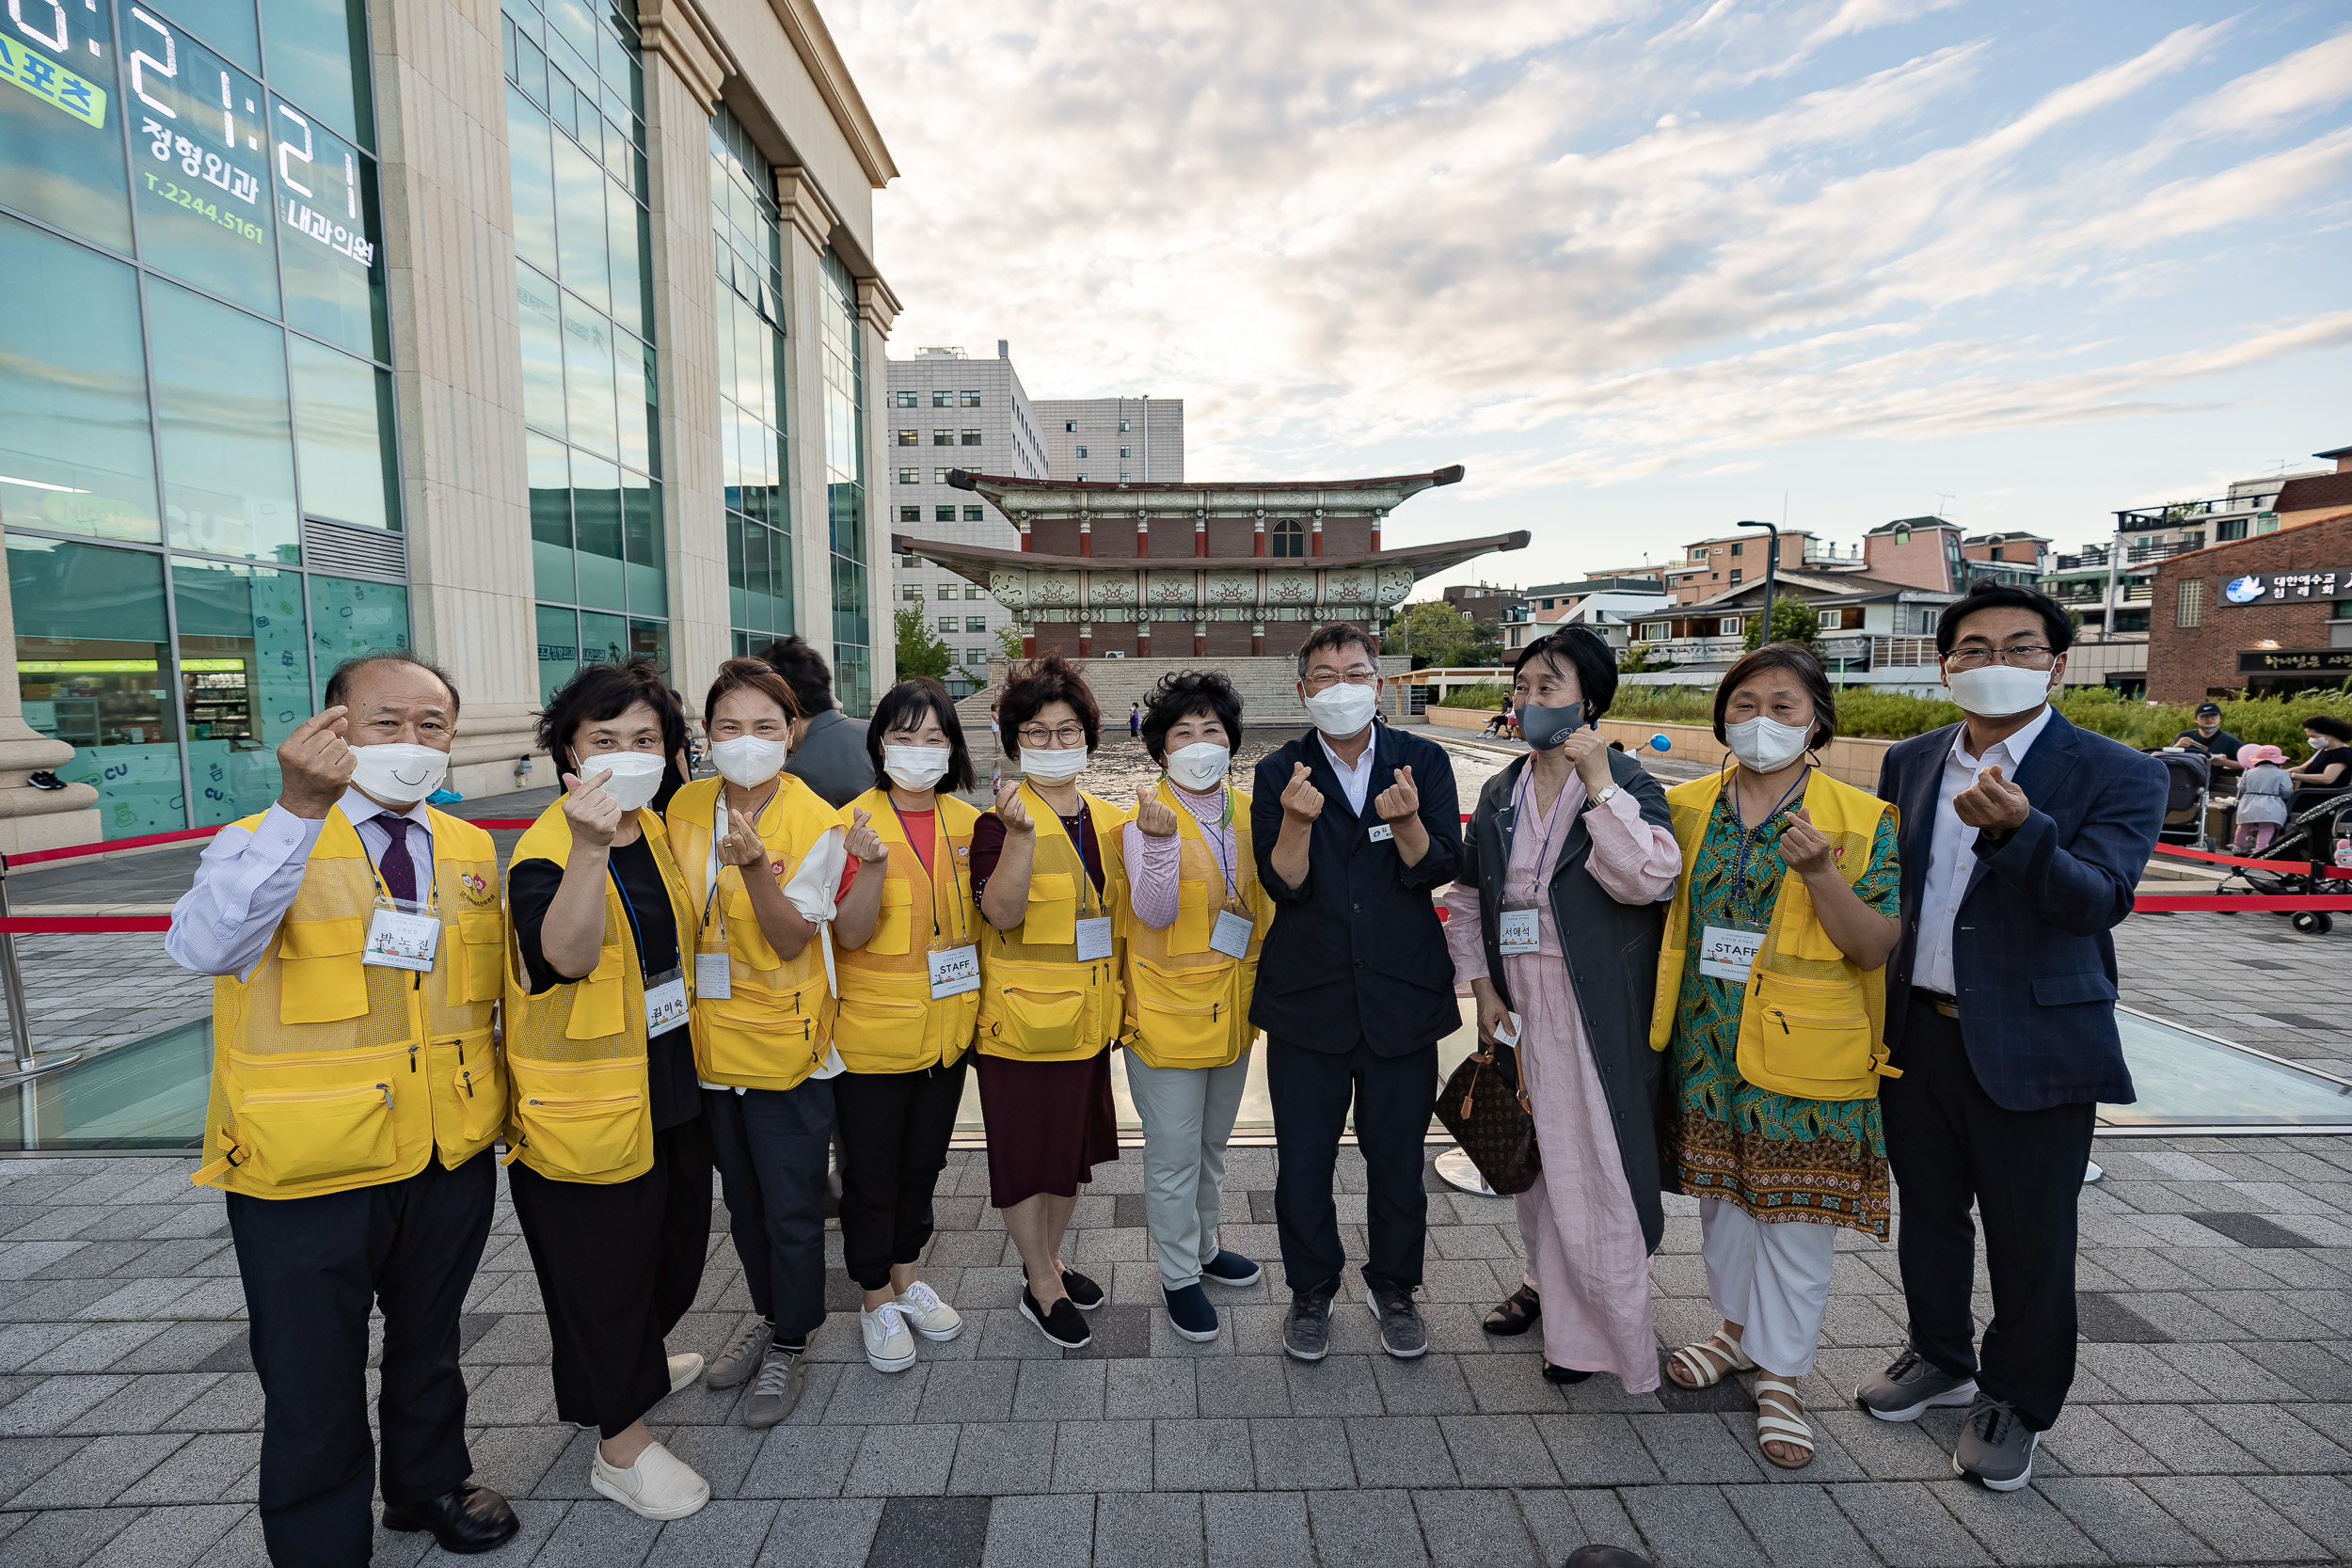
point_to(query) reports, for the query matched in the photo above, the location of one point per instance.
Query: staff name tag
(665, 1001)
(1726, 953)
(1094, 938)
(1519, 931)
(1381, 833)
(1231, 936)
(402, 938)
(714, 978)
(954, 971)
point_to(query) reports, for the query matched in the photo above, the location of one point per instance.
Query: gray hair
(339, 681)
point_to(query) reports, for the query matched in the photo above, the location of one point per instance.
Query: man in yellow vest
(357, 946)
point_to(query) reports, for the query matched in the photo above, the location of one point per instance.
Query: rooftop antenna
(1943, 501)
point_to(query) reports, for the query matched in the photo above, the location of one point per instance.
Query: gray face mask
(1545, 727)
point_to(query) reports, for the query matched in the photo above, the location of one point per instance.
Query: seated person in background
(2262, 796)
(2330, 769)
(2213, 741)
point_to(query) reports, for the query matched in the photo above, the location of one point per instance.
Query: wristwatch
(1608, 793)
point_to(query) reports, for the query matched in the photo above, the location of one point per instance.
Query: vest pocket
(321, 978)
(319, 1135)
(760, 1034)
(894, 928)
(1036, 1008)
(745, 935)
(1186, 1017)
(478, 969)
(881, 1025)
(478, 1089)
(1195, 919)
(596, 1000)
(1815, 1033)
(581, 1120)
(1051, 920)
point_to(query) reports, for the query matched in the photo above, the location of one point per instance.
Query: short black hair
(2330, 726)
(1339, 634)
(1987, 594)
(1051, 679)
(804, 671)
(607, 691)
(1582, 651)
(904, 701)
(339, 679)
(1798, 661)
(1183, 694)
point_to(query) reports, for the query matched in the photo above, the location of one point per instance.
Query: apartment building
(1114, 440)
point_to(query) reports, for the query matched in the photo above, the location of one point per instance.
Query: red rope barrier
(24, 925)
(107, 846)
(2290, 865)
(2163, 903)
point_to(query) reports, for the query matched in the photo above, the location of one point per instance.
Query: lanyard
(718, 831)
(1510, 838)
(1750, 837)
(629, 905)
(940, 850)
(1218, 852)
(433, 885)
(1088, 901)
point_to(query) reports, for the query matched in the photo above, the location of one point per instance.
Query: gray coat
(830, 758)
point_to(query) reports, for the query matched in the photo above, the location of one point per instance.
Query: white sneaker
(660, 1485)
(932, 1318)
(684, 1370)
(889, 1348)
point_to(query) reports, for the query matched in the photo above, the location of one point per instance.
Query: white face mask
(915, 767)
(1060, 766)
(748, 760)
(1765, 745)
(1199, 766)
(1344, 709)
(629, 777)
(1998, 690)
(398, 771)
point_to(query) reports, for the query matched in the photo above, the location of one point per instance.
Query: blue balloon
(1659, 743)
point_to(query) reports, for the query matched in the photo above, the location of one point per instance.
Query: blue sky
(1647, 269)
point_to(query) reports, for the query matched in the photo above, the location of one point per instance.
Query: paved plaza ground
(2211, 1422)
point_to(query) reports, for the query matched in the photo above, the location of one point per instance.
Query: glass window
(910, 513)
(316, 53)
(975, 622)
(348, 619)
(581, 229)
(332, 236)
(1082, 451)
(595, 418)
(947, 623)
(902, 400)
(92, 670)
(946, 590)
(972, 591)
(1122, 427)
(1286, 538)
(202, 176)
(59, 120)
(596, 531)
(907, 438)
(75, 455)
(910, 476)
(550, 518)
(939, 476)
(974, 515)
(749, 232)
(971, 438)
(942, 399)
(245, 681)
(227, 24)
(652, 640)
(944, 514)
(1126, 452)
(967, 399)
(943, 437)
(641, 527)
(558, 648)
(530, 165)
(342, 436)
(225, 432)
(539, 310)
(603, 639)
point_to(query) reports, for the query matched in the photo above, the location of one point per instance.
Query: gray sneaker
(1997, 1445)
(739, 1360)
(1910, 1385)
(1402, 1334)
(782, 1376)
(1307, 1329)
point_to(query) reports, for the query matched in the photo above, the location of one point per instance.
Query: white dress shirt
(1951, 851)
(248, 876)
(1356, 780)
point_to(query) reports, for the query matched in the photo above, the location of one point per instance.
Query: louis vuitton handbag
(1485, 1107)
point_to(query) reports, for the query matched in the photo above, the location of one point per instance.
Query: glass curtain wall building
(583, 280)
(747, 245)
(845, 486)
(197, 455)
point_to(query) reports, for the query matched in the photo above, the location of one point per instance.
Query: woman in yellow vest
(910, 993)
(1045, 867)
(1198, 917)
(610, 1154)
(1772, 994)
(762, 859)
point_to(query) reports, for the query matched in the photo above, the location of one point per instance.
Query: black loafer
(1605, 1557)
(468, 1519)
(1083, 1293)
(1563, 1374)
(1517, 1313)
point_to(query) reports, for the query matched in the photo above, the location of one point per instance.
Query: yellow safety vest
(1812, 1022)
(330, 1073)
(582, 1105)
(1038, 1001)
(775, 1025)
(1187, 1003)
(888, 1021)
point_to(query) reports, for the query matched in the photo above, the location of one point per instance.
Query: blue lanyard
(940, 846)
(1751, 836)
(432, 886)
(628, 905)
(1219, 853)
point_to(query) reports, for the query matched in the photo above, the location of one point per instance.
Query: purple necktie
(398, 871)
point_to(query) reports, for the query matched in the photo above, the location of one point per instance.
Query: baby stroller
(2188, 783)
(2308, 837)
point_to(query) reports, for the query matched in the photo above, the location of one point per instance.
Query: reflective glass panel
(342, 436)
(59, 119)
(316, 52)
(558, 648)
(538, 304)
(603, 639)
(596, 531)
(550, 518)
(749, 250)
(580, 224)
(245, 681)
(348, 619)
(201, 162)
(588, 379)
(225, 24)
(843, 359)
(640, 521)
(332, 234)
(530, 165)
(74, 451)
(227, 439)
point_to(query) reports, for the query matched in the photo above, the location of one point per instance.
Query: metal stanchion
(19, 1016)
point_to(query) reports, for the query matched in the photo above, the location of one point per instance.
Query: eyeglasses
(2025, 657)
(1047, 740)
(1323, 679)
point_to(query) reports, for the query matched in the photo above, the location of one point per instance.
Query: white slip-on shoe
(932, 1318)
(660, 1485)
(684, 1370)
(889, 1345)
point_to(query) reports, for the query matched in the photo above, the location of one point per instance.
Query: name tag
(1519, 931)
(954, 971)
(403, 939)
(1726, 953)
(714, 979)
(1381, 833)
(1232, 935)
(665, 1001)
(1094, 938)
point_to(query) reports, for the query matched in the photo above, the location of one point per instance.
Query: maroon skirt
(1049, 1124)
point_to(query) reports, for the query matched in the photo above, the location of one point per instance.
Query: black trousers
(1392, 1095)
(312, 1267)
(619, 1266)
(772, 1147)
(1950, 1145)
(895, 1128)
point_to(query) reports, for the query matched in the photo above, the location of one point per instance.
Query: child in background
(2262, 796)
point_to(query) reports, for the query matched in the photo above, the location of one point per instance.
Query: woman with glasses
(1771, 999)
(1047, 872)
(909, 992)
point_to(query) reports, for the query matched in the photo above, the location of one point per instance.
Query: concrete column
(440, 110)
(34, 818)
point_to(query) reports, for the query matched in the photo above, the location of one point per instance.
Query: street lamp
(1772, 561)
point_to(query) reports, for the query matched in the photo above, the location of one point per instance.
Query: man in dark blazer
(2021, 840)
(1354, 825)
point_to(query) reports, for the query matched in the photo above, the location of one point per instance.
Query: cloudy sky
(1647, 268)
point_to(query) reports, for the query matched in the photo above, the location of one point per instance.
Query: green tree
(920, 650)
(1009, 642)
(1438, 634)
(1793, 621)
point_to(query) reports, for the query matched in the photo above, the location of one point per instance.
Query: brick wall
(2187, 662)
(1921, 563)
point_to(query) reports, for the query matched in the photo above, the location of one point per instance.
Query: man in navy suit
(2021, 840)
(1354, 825)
